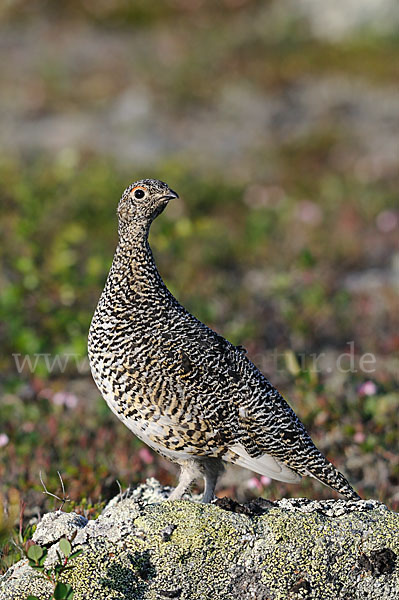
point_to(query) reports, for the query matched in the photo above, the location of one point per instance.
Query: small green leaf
(32, 598)
(65, 547)
(59, 591)
(35, 552)
(63, 591)
(76, 553)
(70, 592)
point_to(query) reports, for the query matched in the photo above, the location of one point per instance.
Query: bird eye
(139, 194)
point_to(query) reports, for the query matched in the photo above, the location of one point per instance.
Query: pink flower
(359, 437)
(71, 401)
(254, 484)
(4, 439)
(309, 212)
(387, 221)
(146, 456)
(65, 399)
(368, 388)
(265, 480)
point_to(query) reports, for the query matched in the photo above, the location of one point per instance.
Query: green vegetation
(36, 557)
(263, 277)
(290, 252)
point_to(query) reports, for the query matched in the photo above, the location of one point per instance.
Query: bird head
(142, 201)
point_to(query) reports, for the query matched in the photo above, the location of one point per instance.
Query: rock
(143, 547)
(56, 525)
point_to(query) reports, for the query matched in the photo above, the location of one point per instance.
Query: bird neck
(133, 233)
(133, 271)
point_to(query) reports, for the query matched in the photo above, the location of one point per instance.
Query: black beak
(170, 195)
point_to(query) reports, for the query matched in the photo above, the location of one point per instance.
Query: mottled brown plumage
(183, 389)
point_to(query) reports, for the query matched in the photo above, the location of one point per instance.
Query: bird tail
(326, 473)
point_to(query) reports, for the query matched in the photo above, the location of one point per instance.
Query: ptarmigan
(180, 387)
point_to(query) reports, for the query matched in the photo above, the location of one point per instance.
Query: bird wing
(253, 421)
(251, 418)
(263, 465)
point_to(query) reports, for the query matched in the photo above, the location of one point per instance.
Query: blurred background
(277, 123)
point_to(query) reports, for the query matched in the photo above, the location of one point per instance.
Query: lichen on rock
(143, 547)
